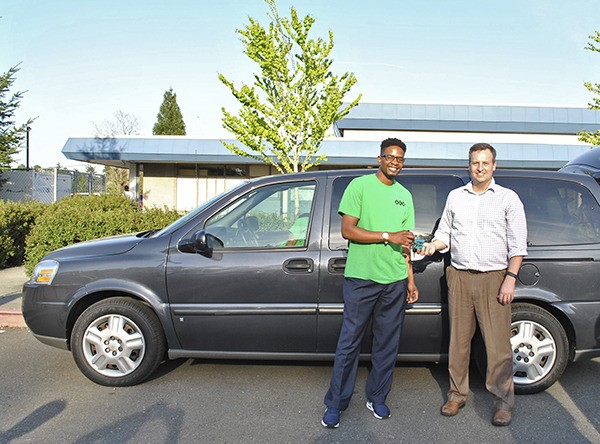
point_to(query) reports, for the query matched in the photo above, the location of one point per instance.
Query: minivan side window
(558, 212)
(273, 216)
(429, 197)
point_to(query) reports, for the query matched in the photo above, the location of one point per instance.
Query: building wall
(159, 185)
(184, 186)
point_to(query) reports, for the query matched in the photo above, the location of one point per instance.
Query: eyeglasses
(390, 157)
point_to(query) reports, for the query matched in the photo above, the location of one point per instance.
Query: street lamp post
(27, 148)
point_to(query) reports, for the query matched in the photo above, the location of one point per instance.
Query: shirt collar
(469, 187)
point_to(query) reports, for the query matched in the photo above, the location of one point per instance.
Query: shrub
(83, 218)
(155, 218)
(16, 221)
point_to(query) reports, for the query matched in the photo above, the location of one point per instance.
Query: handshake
(419, 242)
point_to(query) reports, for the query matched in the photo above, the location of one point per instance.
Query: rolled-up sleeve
(444, 228)
(516, 226)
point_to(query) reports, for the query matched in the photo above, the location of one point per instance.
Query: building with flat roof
(182, 172)
(484, 119)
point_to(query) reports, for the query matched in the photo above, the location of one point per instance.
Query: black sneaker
(380, 411)
(331, 418)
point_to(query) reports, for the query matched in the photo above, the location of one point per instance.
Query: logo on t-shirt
(399, 202)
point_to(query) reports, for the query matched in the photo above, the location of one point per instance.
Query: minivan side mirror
(201, 242)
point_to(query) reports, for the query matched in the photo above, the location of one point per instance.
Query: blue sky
(81, 61)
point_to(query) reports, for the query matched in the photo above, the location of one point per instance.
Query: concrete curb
(11, 286)
(12, 319)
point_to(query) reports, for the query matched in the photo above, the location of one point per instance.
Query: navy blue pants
(384, 304)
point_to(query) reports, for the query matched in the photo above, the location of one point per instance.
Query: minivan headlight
(44, 272)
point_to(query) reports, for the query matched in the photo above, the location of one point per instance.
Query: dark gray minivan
(257, 273)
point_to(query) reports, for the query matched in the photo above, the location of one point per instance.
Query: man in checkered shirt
(484, 227)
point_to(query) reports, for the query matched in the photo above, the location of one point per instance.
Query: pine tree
(169, 119)
(11, 135)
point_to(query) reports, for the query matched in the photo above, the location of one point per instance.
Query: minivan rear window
(558, 212)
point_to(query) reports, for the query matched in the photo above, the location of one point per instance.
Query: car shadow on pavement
(129, 426)
(9, 298)
(35, 419)
(166, 367)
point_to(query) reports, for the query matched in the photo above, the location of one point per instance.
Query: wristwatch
(386, 237)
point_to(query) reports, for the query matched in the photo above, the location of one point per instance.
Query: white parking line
(580, 420)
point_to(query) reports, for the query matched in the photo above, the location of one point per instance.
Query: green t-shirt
(378, 207)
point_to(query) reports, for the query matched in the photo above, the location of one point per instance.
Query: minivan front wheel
(540, 348)
(118, 342)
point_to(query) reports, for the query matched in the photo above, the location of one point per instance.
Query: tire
(118, 342)
(540, 349)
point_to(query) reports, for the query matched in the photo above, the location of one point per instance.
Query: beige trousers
(472, 297)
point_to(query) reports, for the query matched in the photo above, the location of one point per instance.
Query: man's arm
(507, 289)
(351, 231)
(412, 290)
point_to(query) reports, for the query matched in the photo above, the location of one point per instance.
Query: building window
(214, 171)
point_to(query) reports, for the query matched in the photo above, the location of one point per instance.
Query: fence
(48, 186)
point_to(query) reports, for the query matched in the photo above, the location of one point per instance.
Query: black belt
(478, 271)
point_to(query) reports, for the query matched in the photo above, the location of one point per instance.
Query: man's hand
(507, 291)
(431, 247)
(404, 237)
(412, 295)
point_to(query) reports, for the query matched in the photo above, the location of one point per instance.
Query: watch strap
(511, 274)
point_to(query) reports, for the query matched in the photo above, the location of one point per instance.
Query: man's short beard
(391, 177)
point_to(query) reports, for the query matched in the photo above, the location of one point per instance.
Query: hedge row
(37, 229)
(16, 221)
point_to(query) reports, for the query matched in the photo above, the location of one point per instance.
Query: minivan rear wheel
(118, 342)
(540, 349)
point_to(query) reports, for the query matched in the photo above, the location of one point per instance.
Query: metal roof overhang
(468, 119)
(126, 151)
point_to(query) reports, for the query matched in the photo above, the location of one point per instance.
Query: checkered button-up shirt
(483, 231)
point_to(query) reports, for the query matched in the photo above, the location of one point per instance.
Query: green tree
(11, 134)
(36, 167)
(116, 179)
(287, 112)
(169, 119)
(594, 88)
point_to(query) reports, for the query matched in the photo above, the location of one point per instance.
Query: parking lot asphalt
(11, 286)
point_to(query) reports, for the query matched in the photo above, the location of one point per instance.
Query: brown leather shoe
(451, 408)
(502, 417)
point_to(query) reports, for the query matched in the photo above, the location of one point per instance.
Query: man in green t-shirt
(377, 216)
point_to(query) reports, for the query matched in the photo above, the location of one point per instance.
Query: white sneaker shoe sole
(370, 407)
(329, 426)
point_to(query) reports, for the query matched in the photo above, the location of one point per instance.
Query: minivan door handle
(298, 265)
(336, 265)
